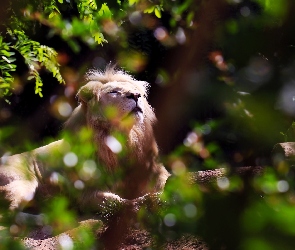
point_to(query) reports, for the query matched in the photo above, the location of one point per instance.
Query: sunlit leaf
(158, 12)
(150, 9)
(52, 14)
(105, 11)
(132, 2)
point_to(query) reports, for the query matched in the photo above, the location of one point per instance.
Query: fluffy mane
(141, 148)
(113, 75)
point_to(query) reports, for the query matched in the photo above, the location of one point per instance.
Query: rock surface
(41, 239)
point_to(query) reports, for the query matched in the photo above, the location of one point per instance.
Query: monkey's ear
(88, 91)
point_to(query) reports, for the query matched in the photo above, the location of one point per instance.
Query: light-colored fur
(23, 174)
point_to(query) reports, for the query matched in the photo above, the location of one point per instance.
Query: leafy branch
(89, 25)
(35, 56)
(156, 9)
(6, 67)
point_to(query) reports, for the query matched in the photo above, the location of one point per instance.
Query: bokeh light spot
(180, 36)
(54, 178)
(113, 144)
(190, 210)
(178, 167)
(286, 98)
(65, 242)
(88, 170)
(282, 186)
(64, 109)
(14, 229)
(191, 138)
(245, 11)
(160, 33)
(169, 220)
(223, 183)
(135, 18)
(78, 184)
(70, 159)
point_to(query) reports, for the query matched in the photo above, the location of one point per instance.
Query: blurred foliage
(222, 86)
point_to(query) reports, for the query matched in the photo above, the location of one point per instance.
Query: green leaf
(131, 2)
(99, 38)
(35, 55)
(92, 4)
(4, 85)
(158, 12)
(150, 9)
(51, 15)
(189, 18)
(5, 52)
(105, 11)
(60, 1)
